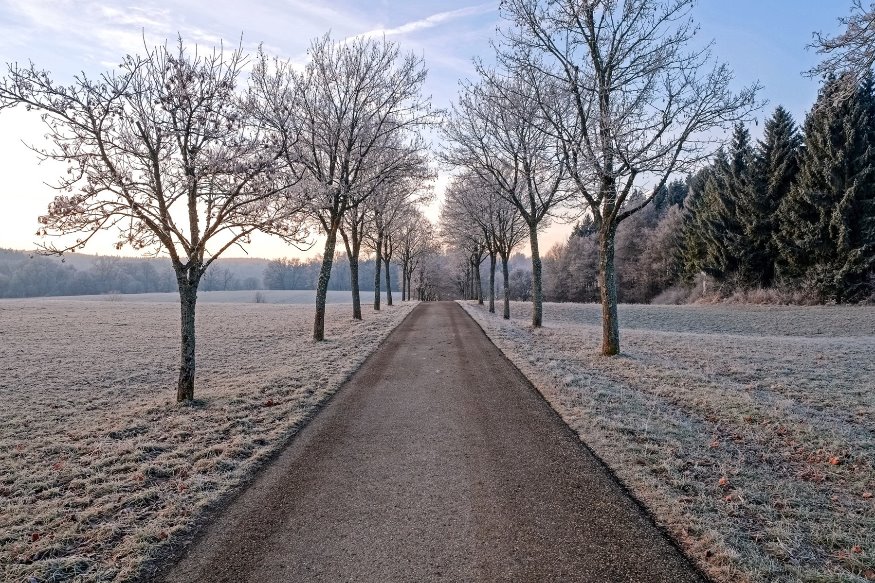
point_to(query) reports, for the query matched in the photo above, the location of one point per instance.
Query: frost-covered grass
(748, 431)
(267, 296)
(100, 471)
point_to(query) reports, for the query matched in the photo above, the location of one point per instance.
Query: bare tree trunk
(377, 267)
(492, 282)
(322, 287)
(475, 265)
(353, 256)
(608, 291)
(403, 283)
(388, 258)
(537, 296)
(505, 272)
(188, 284)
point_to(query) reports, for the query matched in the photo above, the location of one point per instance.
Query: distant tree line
(645, 256)
(297, 273)
(795, 211)
(25, 275)
(790, 218)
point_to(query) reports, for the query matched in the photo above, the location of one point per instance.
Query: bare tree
(466, 207)
(390, 204)
(850, 53)
(352, 229)
(628, 100)
(413, 235)
(500, 223)
(498, 131)
(462, 232)
(167, 152)
(355, 106)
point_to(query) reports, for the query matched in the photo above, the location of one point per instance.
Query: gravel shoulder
(436, 461)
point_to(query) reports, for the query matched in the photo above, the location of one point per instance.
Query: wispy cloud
(431, 21)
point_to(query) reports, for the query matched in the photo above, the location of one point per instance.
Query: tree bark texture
(322, 287)
(353, 256)
(377, 266)
(388, 285)
(403, 284)
(505, 272)
(537, 295)
(188, 283)
(477, 281)
(608, 291)
(492, 283)
(388, 273)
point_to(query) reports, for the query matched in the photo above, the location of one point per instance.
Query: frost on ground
(100, 471)
(749, 432)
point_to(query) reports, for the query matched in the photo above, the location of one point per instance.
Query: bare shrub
(675, 295)
(260, 298)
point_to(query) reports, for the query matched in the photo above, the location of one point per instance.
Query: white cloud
(431, 21)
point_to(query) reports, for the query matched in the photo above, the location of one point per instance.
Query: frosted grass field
(100, 470)
(269, 296)
(748, 431)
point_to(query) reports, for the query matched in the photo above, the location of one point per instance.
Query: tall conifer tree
(777, 164)
(826, 221)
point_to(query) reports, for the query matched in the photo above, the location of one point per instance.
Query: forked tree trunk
(492, 282)
(377, 267)
(608, 291)
(537, 296)
(322, 286)
(352, 253)
(505, 272)
(188, 283)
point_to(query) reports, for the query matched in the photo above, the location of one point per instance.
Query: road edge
(156, 568)
(643, 508)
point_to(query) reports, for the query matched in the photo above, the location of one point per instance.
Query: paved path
(437, 461)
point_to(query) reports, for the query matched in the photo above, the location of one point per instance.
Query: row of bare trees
(181, 153)
(588, 103)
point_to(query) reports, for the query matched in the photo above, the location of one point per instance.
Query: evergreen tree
(716, 239)
(691, 251)
(777, 164)
(826, 221)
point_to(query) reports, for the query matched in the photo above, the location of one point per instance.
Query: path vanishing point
(436, 461)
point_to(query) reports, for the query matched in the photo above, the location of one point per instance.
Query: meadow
(101, 472)
(747, 431)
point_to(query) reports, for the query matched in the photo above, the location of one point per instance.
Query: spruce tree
(777, 164)
(826, 237)
(715, 238)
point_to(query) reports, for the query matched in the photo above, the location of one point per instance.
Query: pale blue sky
(761, 40)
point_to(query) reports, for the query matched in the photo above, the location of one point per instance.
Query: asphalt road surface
(437, 461)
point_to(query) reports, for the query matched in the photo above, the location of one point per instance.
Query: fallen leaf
(723, 481)
(34, 536)
(834, 461)
(857, 549)
(867, 495)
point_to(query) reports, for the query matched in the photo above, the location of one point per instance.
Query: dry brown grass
(99, 470)
(748, 431)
